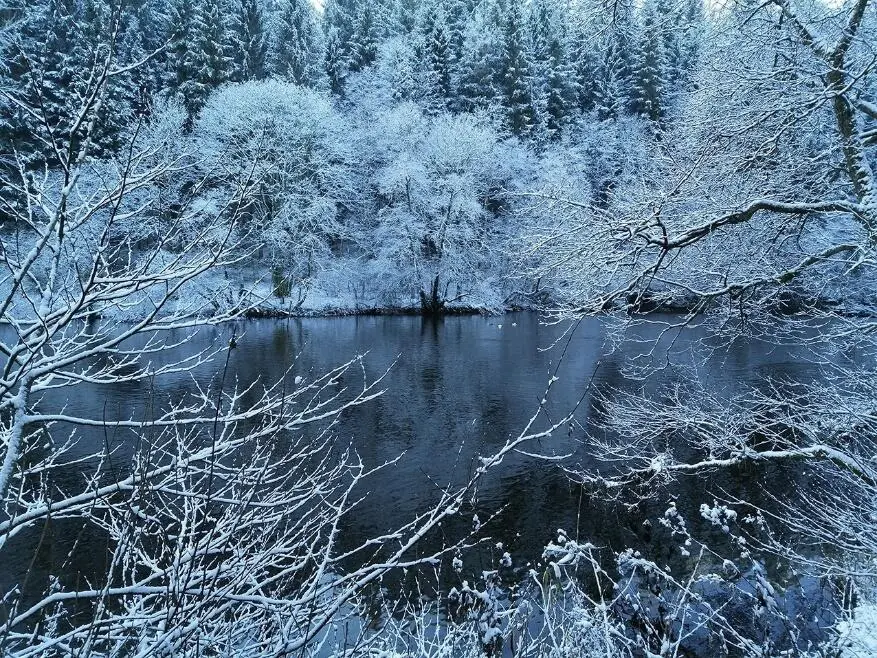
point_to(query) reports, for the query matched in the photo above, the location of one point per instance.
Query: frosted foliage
(435, 177)
(665, 169)
(287, 137)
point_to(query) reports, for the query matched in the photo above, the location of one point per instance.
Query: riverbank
(329, 296)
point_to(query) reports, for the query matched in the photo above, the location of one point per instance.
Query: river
(456, 389)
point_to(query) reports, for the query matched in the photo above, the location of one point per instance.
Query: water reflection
(456, 388)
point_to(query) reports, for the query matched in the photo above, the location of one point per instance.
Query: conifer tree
(435, 59)
(143, 41)
(110, 32)
(516, 77)
(404, 15)
(58, 46)
(649, 82)
(689, 39)
(62, 61)
(480, 68)
(179, 33)
(297, 43)
(586, 69)
(457, 16)
(559, 89)
(47, 66)
(209, 60)
(540, 31)
(143, 80)
(335, 62)
(339, 24)
(554, 75)
(612, 84)
(615, 49)
(366, 34)
(249, 39)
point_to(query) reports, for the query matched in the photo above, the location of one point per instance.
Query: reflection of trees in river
(458, 388)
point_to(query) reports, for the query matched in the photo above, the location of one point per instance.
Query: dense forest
(397, 135)
(691, 182)
(417, 154)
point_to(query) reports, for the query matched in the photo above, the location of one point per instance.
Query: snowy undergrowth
(857, 635)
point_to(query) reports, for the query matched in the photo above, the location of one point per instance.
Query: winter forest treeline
(398, 134)
(538, 67)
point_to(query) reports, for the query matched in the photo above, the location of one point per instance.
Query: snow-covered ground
(858, 635)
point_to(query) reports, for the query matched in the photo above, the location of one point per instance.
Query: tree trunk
(431, 303)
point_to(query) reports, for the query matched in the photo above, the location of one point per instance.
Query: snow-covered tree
(367, 31)
(295, 140)
(297, 44)
(403, 17)
(516, 82)
(649, 83)
(556, 85)
(436, 59)
(210, 61)
(179, 35)
(481, 60)
(249, 41)
(353, 29)
(50, 59)
(436, 181)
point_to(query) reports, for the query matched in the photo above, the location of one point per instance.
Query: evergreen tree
(209, 62)
(553, 71)
(457, 16)
(649, 84)
(435, 59)
(142, 43)
(179, 32)
(366, 34)
(586, 69)
(516, 77)
(559, 89)
(353, 30)
(249, 38)
(335, 62)
(95, 22)
(541, 31)
(612, 86)
(480, 67)
(54, 58)
(62, 63)
(339, 18)
(404, 17)
(111, 35)
(612, 83)
(48, 66)
(144, 79)
(689, 40)
(297, 43)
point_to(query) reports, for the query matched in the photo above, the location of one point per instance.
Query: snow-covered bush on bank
(582, 600)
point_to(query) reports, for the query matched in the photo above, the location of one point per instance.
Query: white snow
(858, 634)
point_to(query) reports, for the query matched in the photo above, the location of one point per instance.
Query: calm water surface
(456, 389)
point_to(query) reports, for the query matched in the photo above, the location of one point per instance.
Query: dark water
(457, 389)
